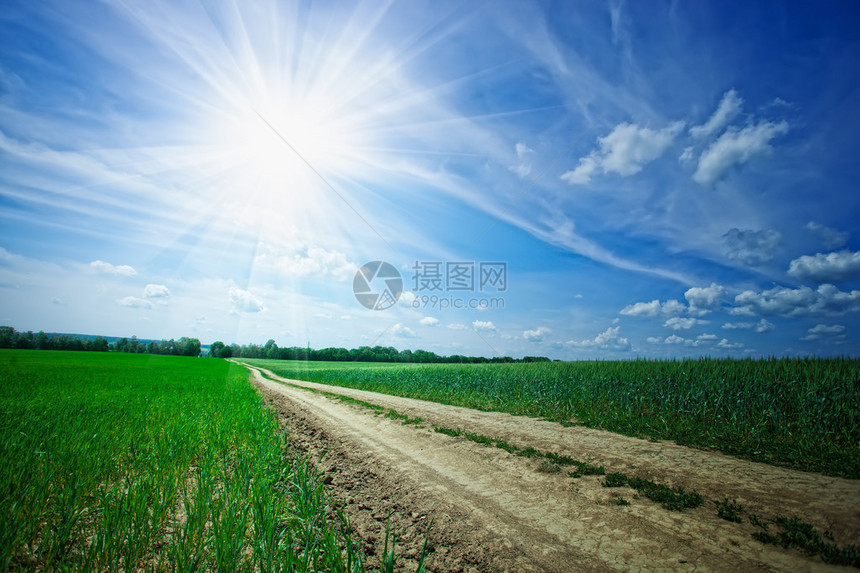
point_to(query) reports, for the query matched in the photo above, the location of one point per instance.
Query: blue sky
(660, 179)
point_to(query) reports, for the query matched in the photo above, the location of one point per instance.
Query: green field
(802, 413)
(127, 462)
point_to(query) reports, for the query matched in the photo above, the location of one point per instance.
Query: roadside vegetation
(792, 533)
(139, 462)
(801, 413)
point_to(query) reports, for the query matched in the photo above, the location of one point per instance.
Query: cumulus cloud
(781, 301)
(456, 326)
(244, 301)
(824, 331)
(736, 147)
(703, 300)
(751, 247)
(536, 335)
(485, 325)
(677, 323)
(156, 291)
(523, 167)
(625, 151)
(610, 339)
(401, 331)
(760, 327)
(306, 262)
(726, 111)
(429, 321)
(830, 268)
(122, 270)
(134, 302)
(675, 340)
(654, 308)
(832, 238)
(726, 345)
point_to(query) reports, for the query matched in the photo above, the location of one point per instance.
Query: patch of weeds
(795, 533)
(548, 467)
(530, 452)
(730, 510)
(615, 479)
(620, 501)
(448, 431)
(755, 520)
(584, 469)
(479, 438)
(404, 419)
(672, 498)
(561, 460)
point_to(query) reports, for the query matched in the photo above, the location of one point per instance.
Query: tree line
(11, 338)
(185, 346)
(272, 351)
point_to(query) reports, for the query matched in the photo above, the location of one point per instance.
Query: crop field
(800, 413)
(129, 462)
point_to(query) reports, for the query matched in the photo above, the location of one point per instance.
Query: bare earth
(493, 511)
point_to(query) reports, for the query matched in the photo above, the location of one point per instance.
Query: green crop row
(803, 413)
(126, 462)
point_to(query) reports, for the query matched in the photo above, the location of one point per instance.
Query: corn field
(803, 413)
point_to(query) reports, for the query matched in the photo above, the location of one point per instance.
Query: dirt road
(493, 511)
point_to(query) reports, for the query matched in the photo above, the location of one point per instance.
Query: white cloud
(123, 270)
(653, 308)
(832, 238)
(429, 321)
(455, 326)
(156, 291)
(606, 340)
(703, 300)
(780, 301)
(306, 262)
(581, 175)
(524, 165)
(674, 339)
(686, 155)
(751, 247)
(820, 331)
(728, 109)
(677, 323)
(401, 331)
(485, 325)
(625, 151)
(736, 147)
(244, 301)
(760, 327)
(536, 335)
(134, 302)
(726, 345)
(830, 268)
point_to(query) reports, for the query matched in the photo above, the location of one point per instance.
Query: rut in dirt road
(496, 511)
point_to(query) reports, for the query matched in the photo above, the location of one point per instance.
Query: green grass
(126, 462)
(730, 510)
(797, 534)
(801, 413)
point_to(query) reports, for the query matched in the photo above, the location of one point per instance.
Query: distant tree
(215, 349)
(188, 346)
